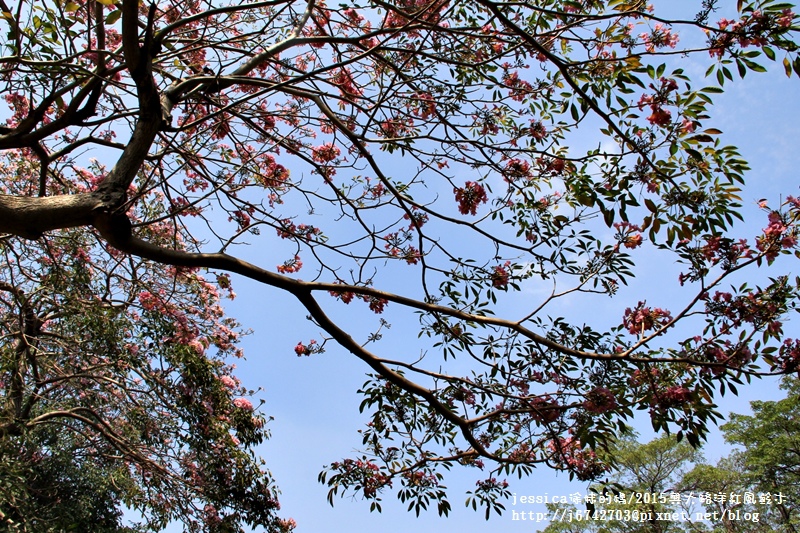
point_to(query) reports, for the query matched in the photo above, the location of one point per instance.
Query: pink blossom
(470, 197)
(243, 403)
(343, 79)
(519, 87)
(584, 463)
(786, 19)
(376, 305)
(660, 37)
(197, 346)
(675, 395)
(500, 276)
(517, 168)
(633, 241)
(291, 266)
(660, 117)
(538, 130)
(325, 153)
(228, 381)
(599, 400)
(641, 318)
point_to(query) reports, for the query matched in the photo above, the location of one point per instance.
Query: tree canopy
(769, 458)
(751, 490)
(422, 157)
(658, 469)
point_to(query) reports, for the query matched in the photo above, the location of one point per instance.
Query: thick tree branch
(31, 217)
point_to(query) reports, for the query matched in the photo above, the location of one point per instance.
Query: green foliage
(50, 481)
(769, 459)
(752, 490)
(124, 401)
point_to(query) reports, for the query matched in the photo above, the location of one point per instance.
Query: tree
(115, 390)
(751, 490)
(643, 479)
(364, 143)
(769, 461)
(729, 496)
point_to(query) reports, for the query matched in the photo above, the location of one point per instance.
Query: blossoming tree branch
(435, 142)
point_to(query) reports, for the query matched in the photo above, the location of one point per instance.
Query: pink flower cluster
(544, 409)
(520, 89)
(291, 266)
(537, 130)
(470, 197)
(553, 165)
(366, 474)
(641, 377)
(346, 297)
(789, 355)
(325, 153)
(150, 302)
(517, 169)
(343, 79)
(229, 382)
(304, 232)
(628, 234)
(599, 400)
(491, 484)
(757, 307)
(752, 29)
(424, 106)
(718, 250)
(777, 235)
(376, 305)
(641, 318)
(660, 37)
(584, 464)
(396, 247)
(286, 525)
(674, 396)
(243, 403)
(307, 349)
(417, 218)
(656, 101)
(500, 275)
(522, 453)
(421, 478)
(396, 128)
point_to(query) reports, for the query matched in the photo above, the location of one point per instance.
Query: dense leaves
(752, 490)
(116, 392)
(404, 156)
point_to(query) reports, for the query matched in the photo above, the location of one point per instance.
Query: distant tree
(762, 475)
(752, 490)
(728, 495)
(642, 484)
(428, 141)
(769, 459)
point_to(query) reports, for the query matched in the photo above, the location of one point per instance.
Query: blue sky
(313, 399)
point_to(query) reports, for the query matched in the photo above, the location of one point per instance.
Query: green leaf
(113, 16)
